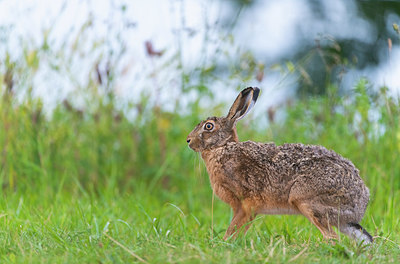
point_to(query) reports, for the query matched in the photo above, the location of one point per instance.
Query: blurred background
(175, 49)
(100, 95)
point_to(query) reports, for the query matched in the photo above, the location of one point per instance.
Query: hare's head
(217, 131)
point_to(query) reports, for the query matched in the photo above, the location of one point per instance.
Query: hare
(262, 178)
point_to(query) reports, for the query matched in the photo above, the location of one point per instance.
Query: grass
(95, 187)
(140, 227)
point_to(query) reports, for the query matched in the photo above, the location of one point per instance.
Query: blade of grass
(130, 252)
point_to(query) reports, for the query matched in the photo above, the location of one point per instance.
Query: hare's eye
(208, 126)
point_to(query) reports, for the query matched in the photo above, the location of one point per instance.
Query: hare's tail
(356, 231)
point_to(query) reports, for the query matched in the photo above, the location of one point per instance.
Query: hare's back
(315, 167)
(318, 166)
(326, 176)
(307, 169)
(284, 163)
(316, 160)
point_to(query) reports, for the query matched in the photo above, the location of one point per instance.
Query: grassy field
(94, 187)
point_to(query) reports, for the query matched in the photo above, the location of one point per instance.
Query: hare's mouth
(193, 147)
(190, 143)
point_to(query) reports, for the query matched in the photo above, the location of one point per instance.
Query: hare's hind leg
(318, 220)
(241, 216)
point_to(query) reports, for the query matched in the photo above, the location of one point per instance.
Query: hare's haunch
(256, 178)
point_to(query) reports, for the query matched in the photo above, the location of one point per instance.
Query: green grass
(119, 228)
(95, 187)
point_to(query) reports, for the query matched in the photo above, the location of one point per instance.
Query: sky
(271, 30)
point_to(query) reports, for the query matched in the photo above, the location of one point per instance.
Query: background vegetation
(99, 179)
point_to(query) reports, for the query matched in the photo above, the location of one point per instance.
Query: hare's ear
(243, 103)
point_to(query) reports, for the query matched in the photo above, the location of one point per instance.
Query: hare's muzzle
(188, 140)
(190, 143)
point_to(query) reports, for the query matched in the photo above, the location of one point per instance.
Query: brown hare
(262, 178)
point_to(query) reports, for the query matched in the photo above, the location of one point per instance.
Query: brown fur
(257, 178)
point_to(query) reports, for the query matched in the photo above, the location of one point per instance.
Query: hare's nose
(188, 140)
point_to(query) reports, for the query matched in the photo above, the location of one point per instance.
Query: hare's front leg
(240, 218)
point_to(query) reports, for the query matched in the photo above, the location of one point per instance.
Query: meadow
(94, 178)
(96, 187)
